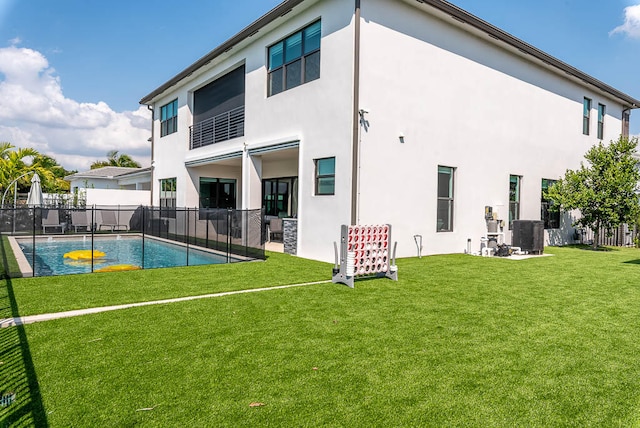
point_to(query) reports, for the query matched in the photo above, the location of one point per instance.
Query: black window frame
(514, 199)
(551, 218)
(219, 201)
(586, 115)
(168, 197)
(323, 177)
(602, 111)
(280, 71)
(169, 124)
(446, 200)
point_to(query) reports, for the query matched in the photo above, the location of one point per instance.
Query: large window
(280, 196)
(325, 176)
(169, 118)
(586, 115)
(445, 199)
(295, 60)
(551, 218)
(168, 197)
(217, 192)
(602, 110)
(514, 199)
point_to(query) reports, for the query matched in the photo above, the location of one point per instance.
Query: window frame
(288, 63)
(514, 199)
(448, 199)
(168, 209)
(319, 177)
(602, 111)
(586, 115)
(219, 184)
(550, 218)
(169, 124)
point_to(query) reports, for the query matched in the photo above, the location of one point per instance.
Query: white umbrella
(35, 193)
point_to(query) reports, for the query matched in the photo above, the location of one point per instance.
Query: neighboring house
(103, 186)
(413, 113)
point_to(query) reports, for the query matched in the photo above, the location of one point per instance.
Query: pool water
(49, 259)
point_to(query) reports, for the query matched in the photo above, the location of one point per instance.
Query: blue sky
(96, 59)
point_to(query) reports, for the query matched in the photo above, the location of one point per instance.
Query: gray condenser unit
(528, 235)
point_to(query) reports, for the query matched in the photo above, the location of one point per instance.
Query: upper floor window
(514, 199)
(586, 115)
(551, 218)
(295, 60)
(602, 111)
(325, 176)
(445, 199)
(169, 118)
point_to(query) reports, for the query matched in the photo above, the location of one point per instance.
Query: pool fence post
(144, 210)
(206, 230)
(229, 229)
(186, 220)
(93, 231)
(33, 253)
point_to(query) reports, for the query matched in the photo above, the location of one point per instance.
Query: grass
(62, 293)
(457, 341)
(8, 263)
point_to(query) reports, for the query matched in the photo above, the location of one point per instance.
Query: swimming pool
(119, 254)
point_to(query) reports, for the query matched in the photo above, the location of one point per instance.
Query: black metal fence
(56, 241)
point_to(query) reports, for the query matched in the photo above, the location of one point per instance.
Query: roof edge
(496, 33)
(275, 13)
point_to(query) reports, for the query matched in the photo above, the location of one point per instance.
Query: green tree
(13, 164)
(604, 191)
(113, 159)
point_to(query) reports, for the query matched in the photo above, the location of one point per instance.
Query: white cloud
(35, 113)
(631, 26)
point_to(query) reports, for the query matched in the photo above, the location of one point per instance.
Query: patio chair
(50, 219)
(109, 220)
(80, 219)
(274, 229)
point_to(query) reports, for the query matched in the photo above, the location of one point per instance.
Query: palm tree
(113, 159)
(13, 165)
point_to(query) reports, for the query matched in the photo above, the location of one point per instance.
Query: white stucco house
(408, 112)
(112, 185)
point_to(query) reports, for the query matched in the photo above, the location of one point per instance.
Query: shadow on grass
(632, 262)
(20, 400)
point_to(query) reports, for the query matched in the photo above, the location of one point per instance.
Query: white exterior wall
(117, 197)
(460, 102)
(317, 114)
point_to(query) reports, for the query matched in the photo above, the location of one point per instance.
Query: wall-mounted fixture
(401, 137)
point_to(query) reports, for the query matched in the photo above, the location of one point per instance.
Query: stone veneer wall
(290, 235)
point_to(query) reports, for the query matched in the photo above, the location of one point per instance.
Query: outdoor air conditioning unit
(528, 235)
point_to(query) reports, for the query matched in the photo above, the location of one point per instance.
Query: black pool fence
(234, 235)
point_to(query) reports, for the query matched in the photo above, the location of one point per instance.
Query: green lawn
(458, 341)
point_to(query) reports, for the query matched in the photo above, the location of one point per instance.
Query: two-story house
(409, 112)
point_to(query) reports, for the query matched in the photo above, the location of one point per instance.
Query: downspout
(355, 116)
(150, 108)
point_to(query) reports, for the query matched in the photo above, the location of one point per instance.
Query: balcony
(216, 129)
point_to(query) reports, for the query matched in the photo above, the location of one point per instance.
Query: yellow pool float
(83, 255)
(83, 262)
(118, 268)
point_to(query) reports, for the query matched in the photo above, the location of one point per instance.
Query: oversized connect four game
(364, 251)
